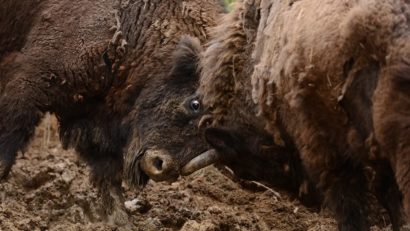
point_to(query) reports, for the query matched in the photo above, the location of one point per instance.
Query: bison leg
(21, 110)
(343, 182)
(330, 153)
(346, 195)
(392, 122)
(388, 194)
(106, 174)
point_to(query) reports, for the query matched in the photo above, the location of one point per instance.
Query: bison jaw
(205, 159)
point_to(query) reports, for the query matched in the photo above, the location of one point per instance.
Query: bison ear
(223, 140)
(185, 61)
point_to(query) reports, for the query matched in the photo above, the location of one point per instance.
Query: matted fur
(325, 74)
(60, 61)
(225, 65)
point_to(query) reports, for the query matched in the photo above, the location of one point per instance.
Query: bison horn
(205, 121)
(207, 158)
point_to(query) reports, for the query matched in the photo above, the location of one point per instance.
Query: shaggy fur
(60, 60)
(226, 92)
(9, 12)
(332, 76)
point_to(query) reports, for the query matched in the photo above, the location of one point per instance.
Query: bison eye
(195, 105)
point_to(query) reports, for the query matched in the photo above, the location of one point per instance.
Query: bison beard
(135, 175)
(62, 58)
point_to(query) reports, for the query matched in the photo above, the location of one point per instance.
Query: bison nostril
(158, 163)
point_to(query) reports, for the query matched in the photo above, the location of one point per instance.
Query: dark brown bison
(328, 81)
(109, 93)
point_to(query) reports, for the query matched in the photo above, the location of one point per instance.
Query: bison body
(328, 78)
(106, 85)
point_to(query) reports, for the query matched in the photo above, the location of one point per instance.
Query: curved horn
(205, 121)
(207, 158)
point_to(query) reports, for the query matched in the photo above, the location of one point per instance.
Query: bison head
(165, 132)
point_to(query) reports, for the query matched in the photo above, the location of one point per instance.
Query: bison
(326, 81)
(327, 88)
(109, 93)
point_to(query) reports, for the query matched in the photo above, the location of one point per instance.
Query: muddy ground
(48, 189)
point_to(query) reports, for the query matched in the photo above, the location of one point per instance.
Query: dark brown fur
(331, 76)
(253, 156)
(57, 61)
(14, 32)
(163, 119)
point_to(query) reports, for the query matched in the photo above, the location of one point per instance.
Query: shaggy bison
(327, 87)
(109, 93)
(327, 80)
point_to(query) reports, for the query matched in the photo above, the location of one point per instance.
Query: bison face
(252, 154)
(249, 153)
(165, 132)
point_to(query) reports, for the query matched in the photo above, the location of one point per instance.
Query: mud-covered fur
(332, 76)
(60, 60)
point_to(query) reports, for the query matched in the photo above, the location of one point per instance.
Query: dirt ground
(48, 189)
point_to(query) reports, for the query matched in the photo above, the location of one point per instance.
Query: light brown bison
(329, 79)
(109, 93)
